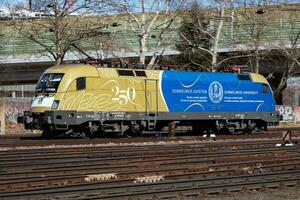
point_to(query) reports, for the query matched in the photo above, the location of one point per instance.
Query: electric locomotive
(89, 101)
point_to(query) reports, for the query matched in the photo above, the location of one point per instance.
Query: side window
(265, 88)
(80, 83)
(243, 77)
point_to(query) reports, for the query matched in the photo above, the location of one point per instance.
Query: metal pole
(22, 91)
(30, 4)
(156, 81)
(146, 98)
(296, 98)
(281, 26)
(296, 104)
(2, 117)
(231, 27)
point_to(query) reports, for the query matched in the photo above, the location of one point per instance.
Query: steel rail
(216, 169)
(187, 168)
(107, 151)
(114, 191)
(207, 156)
(35, 141)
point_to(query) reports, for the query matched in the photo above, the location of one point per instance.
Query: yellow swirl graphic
(191, 85)
(194, 104)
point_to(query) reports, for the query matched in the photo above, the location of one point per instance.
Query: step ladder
(151, 124)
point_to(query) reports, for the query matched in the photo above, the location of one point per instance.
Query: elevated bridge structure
(22, 60)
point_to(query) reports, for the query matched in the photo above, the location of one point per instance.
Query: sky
(3, 3)
(150, 5)
(11, 1)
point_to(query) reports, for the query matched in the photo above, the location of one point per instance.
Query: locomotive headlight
(55, 104)
(27, 113)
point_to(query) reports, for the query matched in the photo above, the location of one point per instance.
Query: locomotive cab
(50, 89)
(45, 91)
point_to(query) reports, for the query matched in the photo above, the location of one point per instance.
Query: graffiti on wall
(287, 112)
(14, 108)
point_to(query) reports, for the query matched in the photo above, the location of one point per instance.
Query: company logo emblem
(215, 92)
(40, 101)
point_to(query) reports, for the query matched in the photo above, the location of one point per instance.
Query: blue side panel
(213, 92)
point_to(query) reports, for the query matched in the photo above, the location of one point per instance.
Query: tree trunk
(160, 38)
(281, 86)
(58, 61)
(58, 34)
(152, 61)
(214, 61)
(143, 34)
(217, 40)
(155, 55)
(256, 61)
(142, 49)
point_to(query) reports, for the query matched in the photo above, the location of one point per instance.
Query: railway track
(18, 141)
(189, 168)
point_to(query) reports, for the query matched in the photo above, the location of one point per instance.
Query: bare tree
(201, 31)
(106, 47)
(2, 36)
(145, 17)
(289, 48)
(256, 21)
(66, 22)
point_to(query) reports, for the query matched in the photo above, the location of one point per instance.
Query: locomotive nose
(41, 103)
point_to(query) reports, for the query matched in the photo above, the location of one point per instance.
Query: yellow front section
(257, 78)
(107, 91)
(39, 109)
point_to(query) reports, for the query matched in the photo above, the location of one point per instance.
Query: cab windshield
(49, 82)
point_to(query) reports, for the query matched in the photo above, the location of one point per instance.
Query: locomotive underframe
(65, 121)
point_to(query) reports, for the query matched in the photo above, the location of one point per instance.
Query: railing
(14, 45)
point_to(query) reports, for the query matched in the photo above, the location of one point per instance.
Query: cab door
(151, 102)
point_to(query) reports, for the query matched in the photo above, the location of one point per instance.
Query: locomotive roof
(80, 70)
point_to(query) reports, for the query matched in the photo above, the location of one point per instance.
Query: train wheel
(91, 134)
(134, 131)
(262, 126)
(78, 134)
(265, 127)
(224, 131)
(247, 130)
(48, 132)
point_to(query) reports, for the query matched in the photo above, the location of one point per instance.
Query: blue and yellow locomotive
(87, 100)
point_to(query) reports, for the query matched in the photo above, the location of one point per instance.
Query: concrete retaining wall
(10, 109)
(289, 113)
